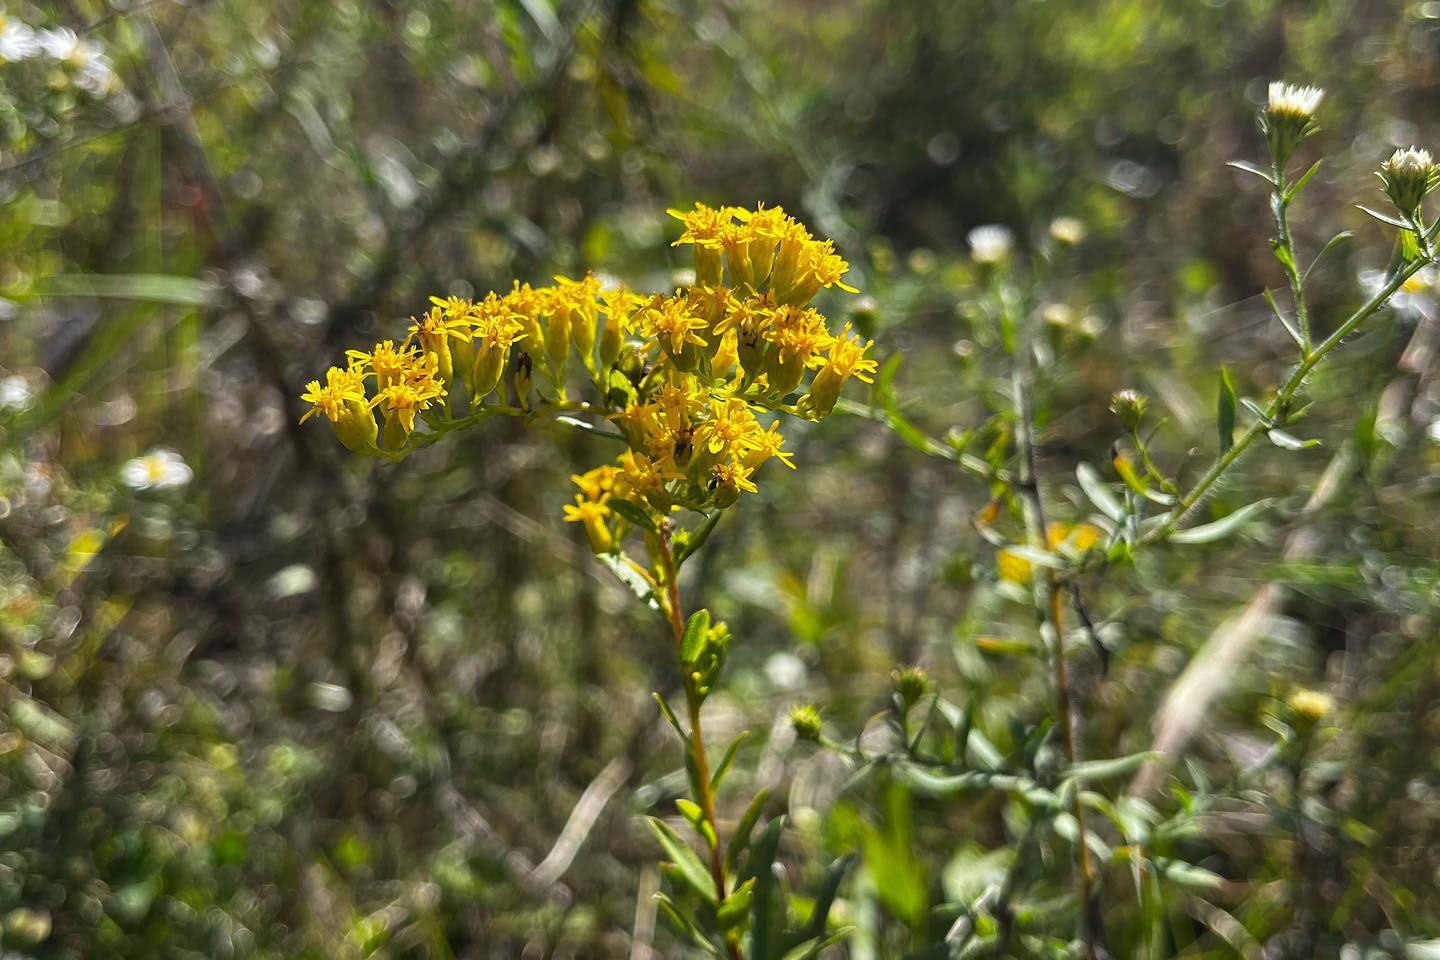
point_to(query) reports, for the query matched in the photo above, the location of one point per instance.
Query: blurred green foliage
(263, 700)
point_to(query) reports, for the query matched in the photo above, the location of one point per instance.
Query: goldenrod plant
(693, 384)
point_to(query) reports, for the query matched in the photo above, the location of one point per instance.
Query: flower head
(990, 244)
(1408, 176)
(1289, 117)
(160, 469)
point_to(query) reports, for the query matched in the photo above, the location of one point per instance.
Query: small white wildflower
(15, 393)
(1067, 230)
(1288, 98)
(17, 40)
(160, 469)
(90, 66)
(1289, 117)
(990, 244)
(1408, 176)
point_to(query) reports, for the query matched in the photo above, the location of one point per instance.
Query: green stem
(1281, 402)
(1279, 206)
(676, 616)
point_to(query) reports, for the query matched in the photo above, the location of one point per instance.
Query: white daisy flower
(17, 40)
(1292, 100)
(160, 469)
(991, 243)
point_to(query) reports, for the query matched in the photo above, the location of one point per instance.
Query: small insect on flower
(1288, 117)
(990, 244)
(160, 469)
(1408, 176)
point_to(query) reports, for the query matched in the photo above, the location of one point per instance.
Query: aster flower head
(1408, 176)
(1288, 117)
(160, 469)
(990, 244)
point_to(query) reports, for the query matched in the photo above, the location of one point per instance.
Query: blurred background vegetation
(258, 698)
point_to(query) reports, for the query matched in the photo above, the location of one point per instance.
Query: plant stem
(1279, 206)
(1280, 403)
(676, 617)
(1050, 605)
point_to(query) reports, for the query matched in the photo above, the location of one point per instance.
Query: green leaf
(623, 567)
(1384, 217)
(685, 859)
(693, 643)
(634, 514)
(814, 927)
(1290, 328)
(1225, 412)
(724, 765)
(734, 912)
(1106, 769)
(1255, 408)
(1299, 185)
(811, 948)
(150, 287)
(589, 427)
(904, 429)
(1287, 442)
(1189, 875)
(1249, 167)
(763, 935)
(670, 715)
(1218, 530)
(697, 537)
(1330, 244)
(1094, 487)
(685, 925)
(740, 839)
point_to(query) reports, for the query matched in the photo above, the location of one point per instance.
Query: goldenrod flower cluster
(686, 378)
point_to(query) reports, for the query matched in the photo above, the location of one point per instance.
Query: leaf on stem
(687, 862)
(1249, 167)
(1286, 441)
(1330, 244)
(1219, 529)
(1299, 185)
(729, 758)
(633, 513)
(1383, 217)
(693, 642)
(1290, 328)
(1225, 412)
(1094, 487)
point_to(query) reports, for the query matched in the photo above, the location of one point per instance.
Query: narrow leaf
(1285, 321)
(1218, 530)
(1287, 442)
(1094, 487)
(633, 513)
(1384, 217)
(690, 868)
(1299, 185)
(693, 642)
(624, 568)
(1105, 769)
(740, 839)
(150, 287)
(670, 715)
(1225, 413)
(1249, 167)
(1330, 244)
(724, 766)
